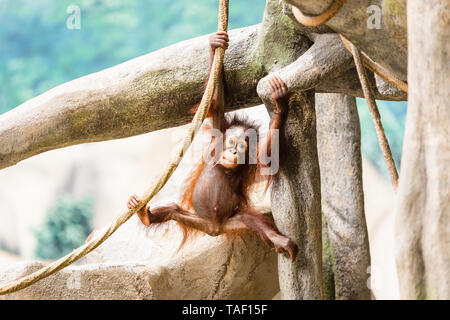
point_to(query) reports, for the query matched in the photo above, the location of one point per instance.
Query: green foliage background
(66, 227)
(38, 52)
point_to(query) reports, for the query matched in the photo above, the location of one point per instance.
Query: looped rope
(319, 19)
(200, 115)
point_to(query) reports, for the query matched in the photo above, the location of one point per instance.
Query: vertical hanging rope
(384, 144)
(200, 115)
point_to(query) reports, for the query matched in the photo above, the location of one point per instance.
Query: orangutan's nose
(215, 232)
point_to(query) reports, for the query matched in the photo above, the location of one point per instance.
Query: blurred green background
(67, 225)
(38, 51)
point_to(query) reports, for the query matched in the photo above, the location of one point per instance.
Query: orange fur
(250, 174)
(189, 186)
(186, 201)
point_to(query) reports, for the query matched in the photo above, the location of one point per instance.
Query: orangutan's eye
(231, 142)
(242, 146)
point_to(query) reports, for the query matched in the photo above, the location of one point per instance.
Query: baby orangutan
(215, 197)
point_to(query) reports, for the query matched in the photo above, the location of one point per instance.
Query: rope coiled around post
(197, 121)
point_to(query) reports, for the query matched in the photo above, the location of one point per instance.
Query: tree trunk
(327, 261)
(295, 194)
(423, 218)
(339, 148)
(295, 202)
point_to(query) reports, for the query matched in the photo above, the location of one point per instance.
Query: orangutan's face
(235, 148)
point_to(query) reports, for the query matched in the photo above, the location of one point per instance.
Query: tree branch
(158, 90)
(328, 67)
(148, 93)
(379, 43)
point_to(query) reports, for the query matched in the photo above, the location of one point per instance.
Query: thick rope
(368, 94)
(150, 192)
(377, 68)
(319, 19)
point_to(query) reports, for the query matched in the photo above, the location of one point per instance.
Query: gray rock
(212, 269)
